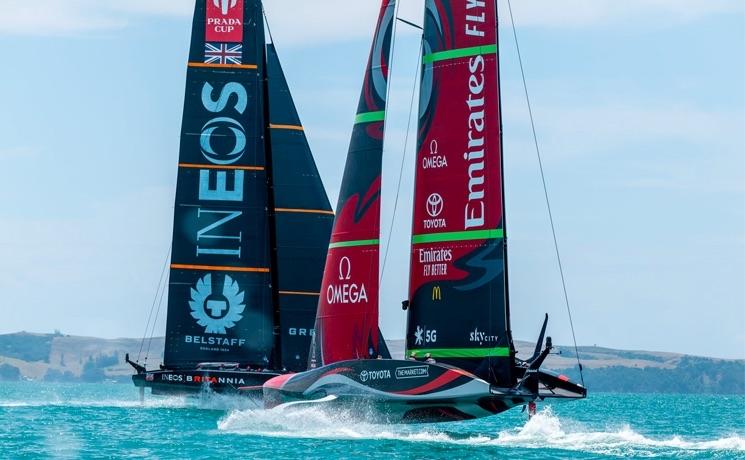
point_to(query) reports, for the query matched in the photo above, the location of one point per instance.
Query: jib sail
(220, 300)
(303, 218)
(347, 318)
(458, 310)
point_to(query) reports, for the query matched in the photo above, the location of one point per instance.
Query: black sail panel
(303, 220)
(220, 300)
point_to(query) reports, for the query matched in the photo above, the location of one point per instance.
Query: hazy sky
(640, 110)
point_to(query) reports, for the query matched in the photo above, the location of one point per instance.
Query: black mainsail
(251, 219)
(303, 219)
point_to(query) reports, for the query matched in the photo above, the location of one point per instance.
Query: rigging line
(157, 313)
(416, 26)
(155, 299)
(266, 21)
(385, 124)
(403, 161)
(545, 192)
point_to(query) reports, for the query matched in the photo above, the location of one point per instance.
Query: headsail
(220, 300)
(302, 220)
(458, 291)
(347, 318)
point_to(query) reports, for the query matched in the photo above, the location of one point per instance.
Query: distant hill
(66, 358)
(58, 357)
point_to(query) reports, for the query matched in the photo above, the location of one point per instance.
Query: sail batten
(223, 66)
(459, 53)
(439, 353)
(369, 117)
(458, 236)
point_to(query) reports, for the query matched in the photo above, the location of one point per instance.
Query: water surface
(107, 421)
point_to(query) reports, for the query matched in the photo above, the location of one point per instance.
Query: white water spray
(544, 431)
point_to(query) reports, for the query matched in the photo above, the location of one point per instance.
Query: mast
(276, 359)
(220, 301)
(458, 311)
(507, 319)
(347, 317)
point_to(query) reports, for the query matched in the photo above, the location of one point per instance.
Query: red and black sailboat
(244, 282)
(461, 362)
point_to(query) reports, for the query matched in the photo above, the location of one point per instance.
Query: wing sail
(220, 300)
(347, 318)
(303, 219)
(458, 254)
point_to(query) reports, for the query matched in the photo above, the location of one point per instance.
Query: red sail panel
(457, 260)
(347, 317)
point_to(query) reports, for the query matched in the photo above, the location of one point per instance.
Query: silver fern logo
(217, 313)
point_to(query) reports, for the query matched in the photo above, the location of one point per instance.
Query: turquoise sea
(108, 421)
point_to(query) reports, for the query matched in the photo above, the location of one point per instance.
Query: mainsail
(347, 318)
(303, 218)
(232, 257)
(458, 311)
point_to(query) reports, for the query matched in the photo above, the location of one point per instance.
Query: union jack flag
(223, 53)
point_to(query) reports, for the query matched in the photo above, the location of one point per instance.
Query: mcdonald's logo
(436, 293)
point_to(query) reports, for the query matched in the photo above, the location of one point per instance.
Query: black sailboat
(244, 282)
(461, 361)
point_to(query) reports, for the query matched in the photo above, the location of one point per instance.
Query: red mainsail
(347, 317)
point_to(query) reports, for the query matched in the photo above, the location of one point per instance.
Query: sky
(640, 114)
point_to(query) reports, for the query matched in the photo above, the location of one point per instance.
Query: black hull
(396, 391)
(194, 382)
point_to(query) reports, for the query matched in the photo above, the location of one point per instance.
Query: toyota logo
(435, 203)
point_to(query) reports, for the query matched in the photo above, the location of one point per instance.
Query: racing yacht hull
(194, 382)
(396, 391)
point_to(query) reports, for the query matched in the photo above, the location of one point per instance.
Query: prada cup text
(224, 25)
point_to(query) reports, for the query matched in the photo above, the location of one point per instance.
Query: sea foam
(545, 430)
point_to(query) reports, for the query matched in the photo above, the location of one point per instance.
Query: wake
(208, 401)
(103, 403)
(545, 430)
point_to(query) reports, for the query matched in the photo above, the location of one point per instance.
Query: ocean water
(107, 421)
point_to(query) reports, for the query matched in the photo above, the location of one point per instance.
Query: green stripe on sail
(369, 117)
(498, 352)
(350, 244)
(459, 53)
(458, 236)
